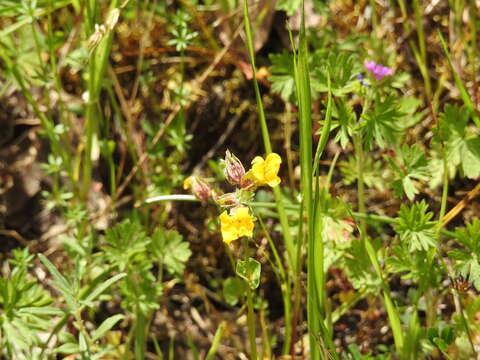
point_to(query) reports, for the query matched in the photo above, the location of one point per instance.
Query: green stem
(374, 16)
(443, 208)
(251, 325)
(357, 143)
(250, 310)
(423, 63)
(392, 311)
(289, 244)
(140, 338)
(285, 286)
(467, 101)
(473, 11)
(81, 328)
(443, 204)
(216, 342)
(294, 207)
(97, 66)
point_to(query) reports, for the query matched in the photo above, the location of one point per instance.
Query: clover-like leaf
(249, 270)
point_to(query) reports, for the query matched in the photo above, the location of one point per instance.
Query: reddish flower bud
(247, 183)
(234, 169)
(228, 199)
(198, 187)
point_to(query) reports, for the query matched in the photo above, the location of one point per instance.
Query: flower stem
(357, 142)
(251, 325)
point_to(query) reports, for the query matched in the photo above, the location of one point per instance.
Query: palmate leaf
(415, 228)
(373, 173)
(380, 124)
(409, 166)
(467, 261)
(25, 307)
(171, 250)
(344, 120)
(343, 69)
(140, 289)
(126, 243)
(359, 268)
(282, 78)
(462, 143)
(412, 265)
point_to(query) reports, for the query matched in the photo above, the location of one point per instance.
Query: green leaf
(448, 334)
(21, 339)
(415, 228)
(282, 77)
(409, 106)
(102, 287)
(289, 6)
(462, 144)
(126, 244)
(233, 290)
(381, 124)
(106, 325)
(68, 348)
(409, 166)
(471, 158)
(357, 265)
(341, 66)
(171, 250)
(467, 260)
(46, 311)
(249, 270)
(82, 342)
(60, 283)
(440, 344)
(373, 173)
(345, 122)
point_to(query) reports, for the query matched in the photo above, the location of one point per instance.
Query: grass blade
(289, 244)
(458, 81)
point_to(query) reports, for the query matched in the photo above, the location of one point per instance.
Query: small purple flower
(362, 81)
(377, 70)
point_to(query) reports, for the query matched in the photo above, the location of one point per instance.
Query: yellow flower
(236, 225)
(264, 172)
(187, 183)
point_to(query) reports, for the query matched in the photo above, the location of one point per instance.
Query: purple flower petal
(377, 70)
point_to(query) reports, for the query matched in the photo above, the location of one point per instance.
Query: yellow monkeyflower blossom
(236, 225)
(264, 172)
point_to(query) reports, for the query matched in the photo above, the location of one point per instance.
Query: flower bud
(247, 183)
(198, 187)
(228, 199)
(234, 169)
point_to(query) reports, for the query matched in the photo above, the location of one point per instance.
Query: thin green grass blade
(325, 130)
(140, 335)
(459, 83)
(289, 244)
(97, 66)
(392, 311)
(216, 342)
(302, 83)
